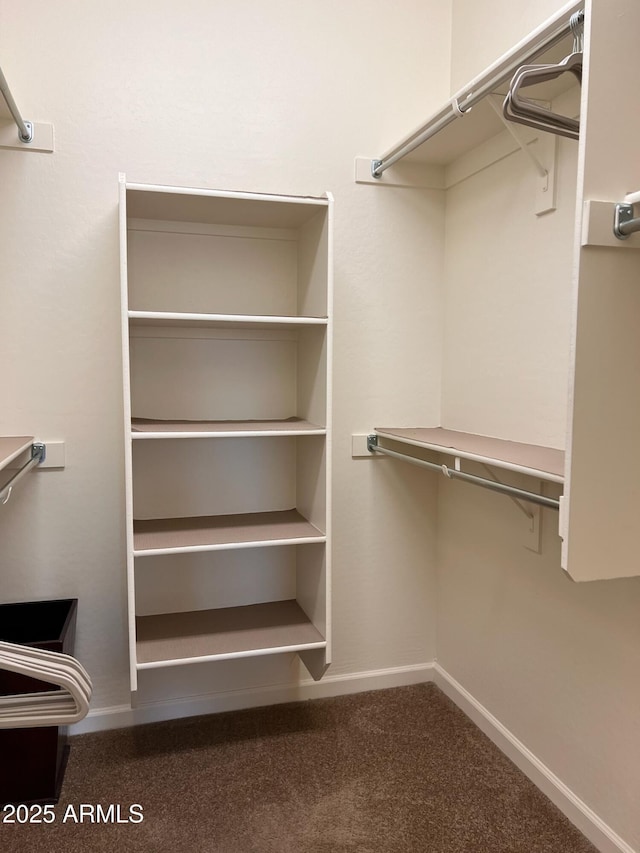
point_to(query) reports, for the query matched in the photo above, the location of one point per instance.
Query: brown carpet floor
(392, 771)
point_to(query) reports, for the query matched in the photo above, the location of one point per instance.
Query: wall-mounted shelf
(11, 446)
(543, 463)
(468, 120)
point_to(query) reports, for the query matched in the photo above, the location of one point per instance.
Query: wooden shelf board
(207, 533)
(217, 207)
(11, 446)
(545, 463)
(246, 321)
(150, 428)
(180, 638)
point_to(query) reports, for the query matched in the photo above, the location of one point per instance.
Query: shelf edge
(249, 653)
(230, 546)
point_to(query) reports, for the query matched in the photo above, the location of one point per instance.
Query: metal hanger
(529, 75)
(525, 111)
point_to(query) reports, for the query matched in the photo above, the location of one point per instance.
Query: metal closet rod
(544, 38)
(452, 473)
(25, 128)
(38, 454)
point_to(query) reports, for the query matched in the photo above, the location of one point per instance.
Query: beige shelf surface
(221, 531)
(227, 632)
(543, 462)
(11, 446)
(147, 427)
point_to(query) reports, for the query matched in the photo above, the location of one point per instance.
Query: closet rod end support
(623, 222)
(372, 443)
(28, 137)
(375, 169)
(39, 451)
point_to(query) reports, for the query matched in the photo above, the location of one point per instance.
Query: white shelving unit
(227, 331)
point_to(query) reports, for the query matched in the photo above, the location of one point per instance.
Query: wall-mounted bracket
(17, 133)
(624, 223)
(37, 457)
(42, 139)
(402, 174)
(532, 538)
(39, 452)
(544, 167)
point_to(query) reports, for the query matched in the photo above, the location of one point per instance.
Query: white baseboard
(580, 815)
(578, 812)
(125, 716)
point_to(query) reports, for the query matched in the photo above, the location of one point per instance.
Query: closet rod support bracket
(39, 452)
(623, 222)
(29, 135)
(372, 443)
(375, 169)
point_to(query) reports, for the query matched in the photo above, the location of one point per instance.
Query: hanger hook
(576, 23)
(5, 499)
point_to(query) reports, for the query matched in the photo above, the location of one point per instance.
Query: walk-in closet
(318, 452)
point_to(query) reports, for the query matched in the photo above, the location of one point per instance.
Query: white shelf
(11, 446)
(469, 129)
(544, 463)
(151, 429)
(245, 321)
(210, 533)
(173, 639)
(187, 204)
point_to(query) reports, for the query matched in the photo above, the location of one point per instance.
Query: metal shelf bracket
(38, 456)
(624, 223)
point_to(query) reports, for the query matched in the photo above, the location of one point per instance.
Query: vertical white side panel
(128, 467)
(312, 266)
(329, 436)
(603, 494)
(312, 372)
(313, 585)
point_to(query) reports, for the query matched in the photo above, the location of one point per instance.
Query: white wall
(508, 302)
(276, 97)
(483, 31)
(556, 662)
